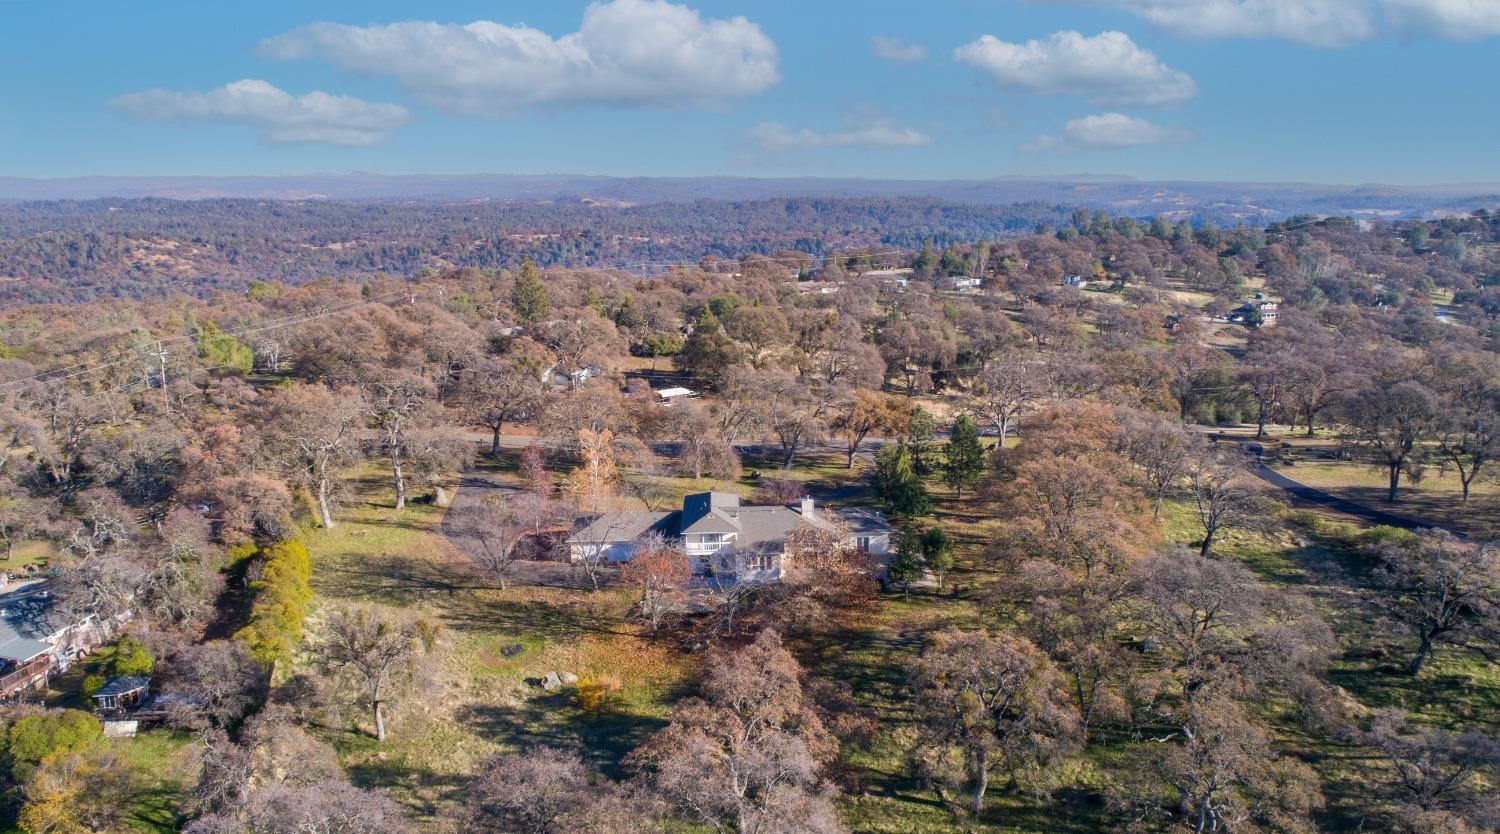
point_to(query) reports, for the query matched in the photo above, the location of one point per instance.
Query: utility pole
(161, 356)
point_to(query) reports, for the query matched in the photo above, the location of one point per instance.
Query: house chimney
(807, 508)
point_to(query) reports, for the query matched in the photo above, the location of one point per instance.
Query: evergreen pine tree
(965, 456)
(529, 299)
(937, 552)
(707, 353)
(223, 352)
(898, 484)
(906, 561)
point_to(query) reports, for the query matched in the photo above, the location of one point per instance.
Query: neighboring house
(36, 641)
(551, 375)
(668, 395)
(964, 283)
(819, 287)
(121, 694)
(1262, 312)
(723, 538)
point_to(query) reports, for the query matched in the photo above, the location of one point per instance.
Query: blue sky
(1334, 91)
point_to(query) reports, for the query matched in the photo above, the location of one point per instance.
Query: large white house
(722, 537)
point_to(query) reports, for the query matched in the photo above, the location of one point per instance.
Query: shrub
(594, 691)
(281, 597)
(1304, 520)
(241, 553)
(126, 656)
(34, 737)
(780, 491)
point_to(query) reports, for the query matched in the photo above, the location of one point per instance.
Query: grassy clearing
(38, 553)
(1434, 499)
(165, 764)
(1455, 691)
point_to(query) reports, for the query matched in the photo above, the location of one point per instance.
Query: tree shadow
(423, 791)
(603, 737)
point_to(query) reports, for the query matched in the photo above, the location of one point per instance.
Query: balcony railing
(25, 677)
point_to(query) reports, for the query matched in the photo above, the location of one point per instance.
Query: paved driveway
(1312, 495)
(479, 485)
(1305, 494)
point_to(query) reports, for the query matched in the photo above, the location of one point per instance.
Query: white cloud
(1314, 22)
(625, 53)
(862, 132)
(281, 117)
(1462, 20)
(1325, 23)
(898, 50)
(1107, 68)
(1109, 131)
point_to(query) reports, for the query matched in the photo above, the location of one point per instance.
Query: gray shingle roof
(122, 685)
(720, 512)
(862, 522)
(608, 528)
(26, 620)
(22, 649)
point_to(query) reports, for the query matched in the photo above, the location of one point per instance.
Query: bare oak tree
(313, 434)
(1440, 587)
(377, 652)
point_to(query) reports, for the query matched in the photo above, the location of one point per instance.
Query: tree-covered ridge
(77, 251)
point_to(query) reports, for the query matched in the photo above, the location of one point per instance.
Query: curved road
(1305, 493)
(1313, 495)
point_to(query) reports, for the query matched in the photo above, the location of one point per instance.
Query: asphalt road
(1311, 495)
(1316, 496)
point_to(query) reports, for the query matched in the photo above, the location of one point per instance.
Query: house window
(760, 561)
(863, 543)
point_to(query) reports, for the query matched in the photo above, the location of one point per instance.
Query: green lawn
(165, 763)
(38, 553)
(1433, 499)
(479, 700)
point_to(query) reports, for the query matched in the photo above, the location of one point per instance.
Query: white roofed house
(37, 640)
(722, 537)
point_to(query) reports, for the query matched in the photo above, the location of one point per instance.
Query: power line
(628, 266)
(154, 350)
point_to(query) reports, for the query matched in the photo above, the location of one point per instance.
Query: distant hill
(80, 250)
(1222, 202)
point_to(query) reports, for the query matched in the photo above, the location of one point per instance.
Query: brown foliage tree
(748, 755)
(999, 703)
(661, 573)
(544, 790)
